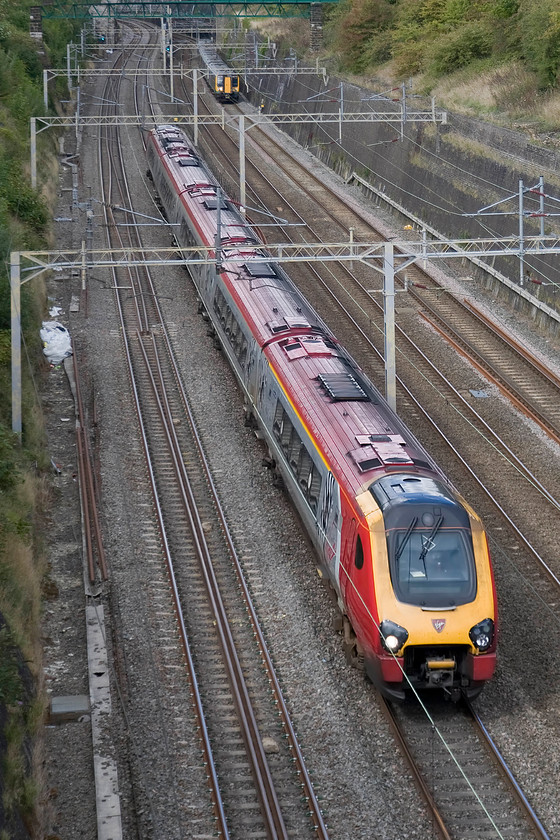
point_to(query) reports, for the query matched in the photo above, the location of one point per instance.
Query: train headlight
(393, 636)
(482, 634)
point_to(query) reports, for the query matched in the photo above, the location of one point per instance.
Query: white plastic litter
(54, 311)
(56, 342)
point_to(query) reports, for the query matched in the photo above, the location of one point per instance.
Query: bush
(540, 26)
(409, 59)
(472, 41)
(20, 200)
(10, 683)
(24, 50)
(364, 28)
(9, 474)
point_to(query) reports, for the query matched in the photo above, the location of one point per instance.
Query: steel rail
(465, 349)
(315, 810)
(211, 771)
(514, 785)
(263, 780)
(507, 338)
(90, 512)
(268, 797)
(415, 769)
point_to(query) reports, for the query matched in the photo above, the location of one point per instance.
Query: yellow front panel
(418, 622)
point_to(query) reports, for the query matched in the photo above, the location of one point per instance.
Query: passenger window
(314, 485)
(304, 469)
(243, 352)
(286, 435)
(278, 424)
(295, 446)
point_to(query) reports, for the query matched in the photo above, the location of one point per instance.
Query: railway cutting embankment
(433, 174)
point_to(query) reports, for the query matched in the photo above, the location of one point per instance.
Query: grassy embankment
(494, 59)
(24, 225)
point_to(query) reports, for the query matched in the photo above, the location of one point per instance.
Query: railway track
(461, 771)
(249, 753)
(525, 381)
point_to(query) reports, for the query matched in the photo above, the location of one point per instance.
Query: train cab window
(432, 566)
(359, 555)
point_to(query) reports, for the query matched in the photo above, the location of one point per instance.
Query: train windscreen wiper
(406, 538)
(428, 541)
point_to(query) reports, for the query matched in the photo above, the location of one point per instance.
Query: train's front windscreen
(432, 566)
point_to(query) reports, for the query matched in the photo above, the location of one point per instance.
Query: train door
(328, 526)
(255, 371)
(348, 552)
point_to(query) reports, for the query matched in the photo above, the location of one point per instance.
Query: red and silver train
(406, 556)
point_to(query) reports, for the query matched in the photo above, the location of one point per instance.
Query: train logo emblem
(439, 624)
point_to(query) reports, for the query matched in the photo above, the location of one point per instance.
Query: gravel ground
(365, 784)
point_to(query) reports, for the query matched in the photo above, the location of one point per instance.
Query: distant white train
(223, 83)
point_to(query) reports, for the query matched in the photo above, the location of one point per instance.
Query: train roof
(212, 61)
(359, 436)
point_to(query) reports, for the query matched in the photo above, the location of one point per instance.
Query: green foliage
(441, 36)
(57, 34)
(409, 58)
(20, 200)
(462, 47)
(9, 472)
(22, 49)
(540, 26)
(505, 8)
(10, 681)
(364, 25)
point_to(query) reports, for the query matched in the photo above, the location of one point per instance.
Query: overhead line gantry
(179, 10)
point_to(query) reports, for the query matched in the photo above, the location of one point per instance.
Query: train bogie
(407, 558)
